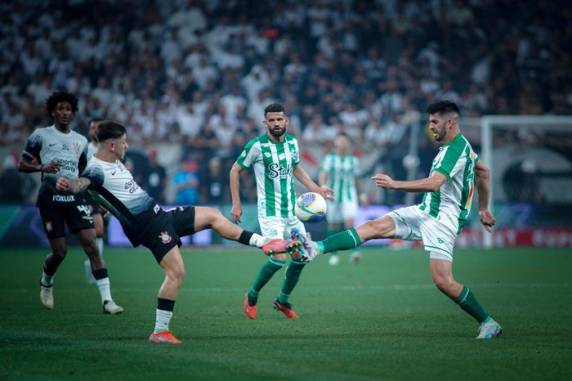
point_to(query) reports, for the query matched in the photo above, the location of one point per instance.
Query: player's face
(276, 123)
(63, 113)
(119, 146)
(342, 144)
(438, 126)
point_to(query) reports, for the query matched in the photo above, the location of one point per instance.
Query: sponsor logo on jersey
(65, 147)
(165, 238)
(275, 170)
(63, 198)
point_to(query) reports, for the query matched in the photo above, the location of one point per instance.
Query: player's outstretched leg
(212, 218)
(383, 227)
(87, 239)
(174, 268)
(442, 273)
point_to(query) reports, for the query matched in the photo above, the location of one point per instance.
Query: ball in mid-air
(311, 207)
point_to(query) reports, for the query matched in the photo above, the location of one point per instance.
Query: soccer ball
(310, 207)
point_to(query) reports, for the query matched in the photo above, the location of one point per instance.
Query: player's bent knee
(280, 257)
(443, 283)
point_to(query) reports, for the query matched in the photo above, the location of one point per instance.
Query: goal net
(530, 158)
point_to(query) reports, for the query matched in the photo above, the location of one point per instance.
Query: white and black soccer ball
(311, 207)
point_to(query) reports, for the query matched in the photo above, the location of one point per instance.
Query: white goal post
(489, 122)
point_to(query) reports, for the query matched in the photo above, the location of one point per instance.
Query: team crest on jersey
(77, 148)
(165, 238)
(49, 226)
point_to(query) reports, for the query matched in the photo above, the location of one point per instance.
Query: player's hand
(52, 167)
(236, 213)
(487, 219)
(383, 181)
(326, 192)
(63, 184)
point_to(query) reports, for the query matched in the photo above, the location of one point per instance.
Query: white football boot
(47, 296)
(489, 329)
(109, 307)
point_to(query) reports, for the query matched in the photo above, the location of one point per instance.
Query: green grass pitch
(379, 320)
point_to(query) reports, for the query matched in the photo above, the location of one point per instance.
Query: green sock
(265, 274)
(467, 301)
(348, 239)
(290, 280)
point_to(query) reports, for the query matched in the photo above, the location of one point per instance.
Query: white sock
(104, 289)
(99, 244)
(47, 280)
(162, 320)
(257, 240)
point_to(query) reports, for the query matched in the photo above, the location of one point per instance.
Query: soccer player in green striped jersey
(438, 218)
(339, 171)
(275, 158)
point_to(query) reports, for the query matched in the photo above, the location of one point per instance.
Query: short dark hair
(109, 129)
(60, 96)
(274, 107)
(443, 107)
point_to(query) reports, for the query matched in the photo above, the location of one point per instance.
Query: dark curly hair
(60, 96)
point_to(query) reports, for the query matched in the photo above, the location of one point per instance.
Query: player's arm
(323, 178)
(30, 160)
(72, 185)
(92, 177)
(28, 165)
(236, 210)
(428, 184)
(482, 180)
(307, 181)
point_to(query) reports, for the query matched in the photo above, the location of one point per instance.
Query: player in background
(97, 211)
(439, 218)
(275, 158)
(57, 151)
(339, 171)
(145, 223)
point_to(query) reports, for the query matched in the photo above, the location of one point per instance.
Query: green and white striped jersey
(342, 171)
(273, 165)
(451, 203)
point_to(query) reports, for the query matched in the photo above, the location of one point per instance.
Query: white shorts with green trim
(279, 227)
(339, 212)
(411, 224)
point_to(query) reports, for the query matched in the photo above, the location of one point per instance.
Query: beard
(277, 132)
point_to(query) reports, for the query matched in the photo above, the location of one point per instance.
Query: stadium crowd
(199, 73)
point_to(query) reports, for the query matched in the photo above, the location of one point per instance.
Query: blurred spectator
(186, 183)
(155, 178)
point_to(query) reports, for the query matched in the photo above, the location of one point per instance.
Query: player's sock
(467, 301)
(47, 280)
(99, 244)
(348, 239)
(251, 239)
(164, 314)
(103, 284)
(290, 280)
(265, 274)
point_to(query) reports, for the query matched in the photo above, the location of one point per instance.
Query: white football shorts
(412, 224)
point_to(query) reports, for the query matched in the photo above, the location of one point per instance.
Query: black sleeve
(95, 174)
(33, 147)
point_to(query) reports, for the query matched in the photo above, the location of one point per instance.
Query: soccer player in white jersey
(58, 151)
(96, 211)
(339, 170)
(275, 158)
(438, 218)
(145, 223)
